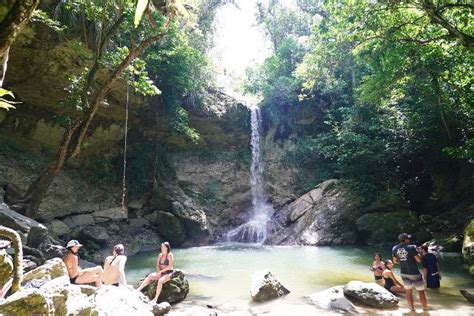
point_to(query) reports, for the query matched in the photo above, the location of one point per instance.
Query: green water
(220, 275)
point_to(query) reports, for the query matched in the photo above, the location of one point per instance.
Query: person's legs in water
(91, 275)
(151, 277)
(423, 300)
(159, 286)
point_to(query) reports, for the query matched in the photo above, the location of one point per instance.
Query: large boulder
(121, 300)
(51, 251)
(468, 246)
(173, 291)
(370, 294)
(193, 218)
(264, 287)
(25, 226)
(111, 214)
(379, 228)
(58, 228)
(95, 234)
(333, 299)
(51, 269)
(77, 221)
(27, 302)
(169, 227)
(323, 216)
(172, 199)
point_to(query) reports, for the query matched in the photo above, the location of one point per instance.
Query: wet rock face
(264, 287)
(322, 216)
(370, 294)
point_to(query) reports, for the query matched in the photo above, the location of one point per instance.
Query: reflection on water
(220, 275)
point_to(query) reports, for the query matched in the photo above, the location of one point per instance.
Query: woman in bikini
(378, 267)
(391, 282)
(164, 270)
(114, 267)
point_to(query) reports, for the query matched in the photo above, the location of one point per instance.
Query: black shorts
(166, 272)
(73, 280)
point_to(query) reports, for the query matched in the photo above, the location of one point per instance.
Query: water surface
(220, 275)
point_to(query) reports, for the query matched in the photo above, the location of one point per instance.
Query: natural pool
(220, 275)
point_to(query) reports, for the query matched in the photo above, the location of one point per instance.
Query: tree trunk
(38, 189)
(13, 236)
(10, 26)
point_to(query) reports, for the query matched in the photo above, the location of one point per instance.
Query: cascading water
(255, 230)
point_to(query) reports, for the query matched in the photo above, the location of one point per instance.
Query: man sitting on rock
(407, 256)
(76, 274)
(6, 268)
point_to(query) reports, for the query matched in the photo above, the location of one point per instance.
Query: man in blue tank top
(407, 256)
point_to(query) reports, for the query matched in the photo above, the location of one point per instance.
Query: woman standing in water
(378, 267)
(164, 269)
(430, 268)
(391, 282)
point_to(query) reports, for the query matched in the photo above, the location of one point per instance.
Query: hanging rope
(124, 176)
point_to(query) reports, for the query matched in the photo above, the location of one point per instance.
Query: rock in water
(264, 287)
(51, 269)
(161, 309)
(333, 299)
(370, 294)
(174, 291)
(468, 296)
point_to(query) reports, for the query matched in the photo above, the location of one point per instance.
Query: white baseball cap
(73, 243)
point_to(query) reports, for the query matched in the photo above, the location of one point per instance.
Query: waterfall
(255, 230)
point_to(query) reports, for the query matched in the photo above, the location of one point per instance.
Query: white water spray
(255, 230)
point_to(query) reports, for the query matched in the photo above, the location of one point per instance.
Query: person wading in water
(378, 267)
(407, 256)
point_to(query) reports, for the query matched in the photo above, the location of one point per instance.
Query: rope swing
(124, 175)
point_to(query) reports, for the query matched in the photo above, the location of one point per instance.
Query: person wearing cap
(114, 267)
(76, 274)
(407, 256)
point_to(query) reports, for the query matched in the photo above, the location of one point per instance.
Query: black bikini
(163, 264)
(73, 280)
(388, 283)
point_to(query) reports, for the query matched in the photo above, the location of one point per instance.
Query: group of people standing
(113, 270)
(408, 256)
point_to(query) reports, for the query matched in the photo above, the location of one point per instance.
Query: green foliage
(43, 17)
(390, 87)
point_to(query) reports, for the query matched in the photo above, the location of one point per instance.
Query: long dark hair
(168, 246)
(378, 254)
